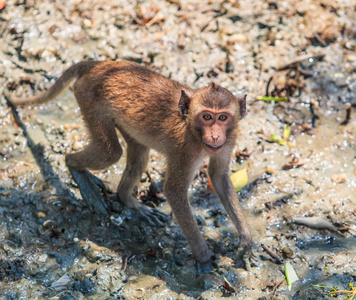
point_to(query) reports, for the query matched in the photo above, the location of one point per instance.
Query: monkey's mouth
(213, 149)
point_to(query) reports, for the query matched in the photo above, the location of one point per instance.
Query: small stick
(320, 39)
(212, 19)
(299, 59)
(347, 227)
(125, 263)
(267, 86)
(314, 107)
(277, 286)
(22, 162)
(348, 114)
(275, 256)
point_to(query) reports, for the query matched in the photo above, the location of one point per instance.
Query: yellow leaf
(239, 179)
(286, 132)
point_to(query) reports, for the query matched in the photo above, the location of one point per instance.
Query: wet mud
(300, 199)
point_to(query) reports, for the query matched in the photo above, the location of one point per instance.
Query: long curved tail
(62, 83)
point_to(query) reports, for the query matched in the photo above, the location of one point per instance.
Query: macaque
(153, 111)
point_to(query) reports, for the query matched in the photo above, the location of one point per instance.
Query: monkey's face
(214, 128)
(212, 114)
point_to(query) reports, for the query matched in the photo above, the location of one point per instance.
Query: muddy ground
(53, 247)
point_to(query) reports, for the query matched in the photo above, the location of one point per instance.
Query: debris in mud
(62, 283)
(348, 114)
(287, 252)
(294, 163)
(227, 287)
(339, 178)
(272, 254)
(316, 223)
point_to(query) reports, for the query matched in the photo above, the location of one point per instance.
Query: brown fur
(153, 111)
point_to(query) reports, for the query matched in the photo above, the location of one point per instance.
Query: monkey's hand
(91, 188)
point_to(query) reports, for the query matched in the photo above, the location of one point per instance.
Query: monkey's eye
(222, 118)
(207, 117)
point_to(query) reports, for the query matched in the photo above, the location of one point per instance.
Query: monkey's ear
(184, 103)
(242, 105)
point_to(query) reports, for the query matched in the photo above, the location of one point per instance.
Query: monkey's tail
(62, 83)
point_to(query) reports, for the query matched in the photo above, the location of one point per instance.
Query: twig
(221, 13)
(275, 256)
(299, 59)
(320, 39)
(23, 162)
(348, 114)
(304, 72)
(314, 109)
(267, 86)
(125, 263)
(277, 286)
(346, 227)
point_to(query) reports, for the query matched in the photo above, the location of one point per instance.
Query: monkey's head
(212, 114)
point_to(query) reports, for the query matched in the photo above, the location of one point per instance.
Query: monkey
(152, 111)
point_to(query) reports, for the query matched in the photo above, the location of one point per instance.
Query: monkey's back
(142, 103)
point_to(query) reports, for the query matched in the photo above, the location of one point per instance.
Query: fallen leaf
(286, 132)
(291, 275)
(270, 99)
(61, 283)
(210, 185)
(278, 139)
(239, 179)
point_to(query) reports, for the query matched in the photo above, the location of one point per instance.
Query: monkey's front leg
(176, 191)
(218, 172)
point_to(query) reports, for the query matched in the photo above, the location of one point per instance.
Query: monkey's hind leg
(90, 188)
(137, 159)
(103, 151)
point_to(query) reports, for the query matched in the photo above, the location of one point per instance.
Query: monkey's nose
(214, 135)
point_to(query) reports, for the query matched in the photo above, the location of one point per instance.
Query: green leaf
(278, 139)
(291, 275)
(270, 99)
(239, 179)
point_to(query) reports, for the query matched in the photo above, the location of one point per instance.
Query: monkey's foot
(249, 259)
(151, 215)
(146, 214)
(92, 189)
(204, 268)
